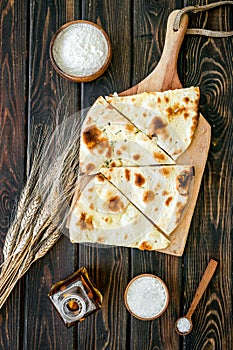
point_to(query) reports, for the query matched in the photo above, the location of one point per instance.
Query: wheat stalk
(44, 204)
(22, 204)
(47, 245)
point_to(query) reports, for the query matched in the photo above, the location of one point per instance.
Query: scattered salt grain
(146, 297)
(183, 325)
(80, 49)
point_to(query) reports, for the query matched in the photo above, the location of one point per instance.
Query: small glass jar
(76, 297)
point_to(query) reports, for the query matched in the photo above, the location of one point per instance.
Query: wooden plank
(150, 21)
(43, 329)
(209, 65)
(109, 267)
(13, 84)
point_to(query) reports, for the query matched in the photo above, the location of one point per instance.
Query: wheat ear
(22, 204)
(44, 204)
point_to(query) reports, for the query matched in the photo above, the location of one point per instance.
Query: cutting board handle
(168, 61)
(165, 76)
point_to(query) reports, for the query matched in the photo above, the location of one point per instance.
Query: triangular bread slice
(160, 192)
(109, 139)
(101, 214)
(170, 116)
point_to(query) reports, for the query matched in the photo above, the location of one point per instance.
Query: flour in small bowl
(146, 297)
(183, 325)
(80, 50)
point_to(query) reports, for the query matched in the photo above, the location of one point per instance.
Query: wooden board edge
(201, 142)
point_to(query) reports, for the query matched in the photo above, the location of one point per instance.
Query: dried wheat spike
(48, 244)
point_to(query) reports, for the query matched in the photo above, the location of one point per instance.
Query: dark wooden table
(30, 91)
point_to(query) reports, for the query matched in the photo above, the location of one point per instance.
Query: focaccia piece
(160, 192)
(109, 139)
(101, 214)
(170, 116)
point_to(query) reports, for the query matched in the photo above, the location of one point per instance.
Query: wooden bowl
(161, 311)
(75, 78)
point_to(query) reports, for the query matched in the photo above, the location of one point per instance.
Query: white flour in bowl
(80, 49)
(146, 297)
(183, 325)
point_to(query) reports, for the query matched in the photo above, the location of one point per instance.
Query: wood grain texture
(30, 86)
(150, 21)
(13, 68)
(115, 18)
(209, 65)
(47, 92)
(109, 266)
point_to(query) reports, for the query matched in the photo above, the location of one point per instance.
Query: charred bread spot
(176, 110)
(183, 181)
(85, 222)
(118, 152)
(129, 127)
(168, 201)
(115, 204)
(108, 153)
(159, 156)
(148, 196)
(194, 125)
(100, 177)
(127, 174)
(165, 193)
(165, 171)
(158, 127)
(145, 246)
(157, 123)
(158, 185)
(136, 156)
(92, 136)
(139, 180)
(186, 99)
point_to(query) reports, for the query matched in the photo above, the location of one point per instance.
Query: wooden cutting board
(165, 77)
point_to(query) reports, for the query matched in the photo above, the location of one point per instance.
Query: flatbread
(161, 192)
(133, 193)
(103, 215)
(170, 116)
(109, 139)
